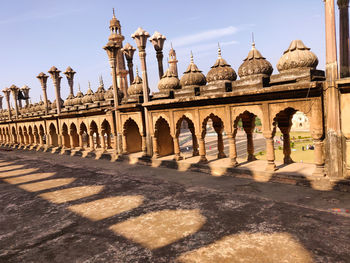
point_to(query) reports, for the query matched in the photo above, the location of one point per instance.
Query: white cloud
(203, 36)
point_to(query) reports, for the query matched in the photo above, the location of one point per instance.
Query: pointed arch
(185, 122)
(164, 140)
(73, 132)
(133, 140)
(65, 134)
(106, 133)
(53, 135)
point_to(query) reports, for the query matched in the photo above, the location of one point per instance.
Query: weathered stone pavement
(58, 208)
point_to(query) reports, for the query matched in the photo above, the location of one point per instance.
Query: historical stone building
(124, 119)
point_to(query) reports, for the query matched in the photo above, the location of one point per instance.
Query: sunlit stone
(107, 207)
(158, 229)
(5, 163)
(10, 167)
(70, 194)
(47, 184)
(251, 247)
(18, 172)
(28, 178)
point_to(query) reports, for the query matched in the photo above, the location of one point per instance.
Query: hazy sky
(38, 34)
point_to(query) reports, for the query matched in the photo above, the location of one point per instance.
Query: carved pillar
(125, 145)
(1, 97)
(248, 126)
(7, 96)
(71, 140)
(144, 146)
(43, 80)
(233, 150)
(178, 156)
(81, 141)
(70, 78)
(202, 152)
(155, 147)
(344, 38)
(91, 137)
(221, 153)
(55, 75)
(286, 145)
(25, 89)
(157, 41)
(129, 51)
(41, 141)
(270, 151)
(14, 91)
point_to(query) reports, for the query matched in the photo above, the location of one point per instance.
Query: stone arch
(42, 134)
(8, 134)
(73, 132)
(164, 140)
(26, 135)
(106, 132)
(83, 132)
(21, 135)
(133, 140)
(65, 134)
(218, 126)
(14, 135)
(94, 135)
(248, 125)
(31, 134)
(36, 134)
(53, 135)
(191, 127)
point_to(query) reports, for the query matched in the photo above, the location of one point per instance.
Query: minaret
(172, 61)
(344, 63)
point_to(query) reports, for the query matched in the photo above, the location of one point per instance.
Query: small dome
(169, 81)
(78, 100)
(297, 56)
(88, 98)
(192, 76)
(110, 96)
(221, 70)
(255, 64)
(54, 104)
(99, 94)
(136, 88)
(69, 100)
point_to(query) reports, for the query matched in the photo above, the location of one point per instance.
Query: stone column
(55, 75)
(202, 152)
(129, 51)
(248, 126)
(286, 145)
(14, 91)
(71, 140)
(144, 146)
(178, 156)
(221, 153)
(70, 78)
(25, 89)
(7, 96)
(103, 142)
(1, 97)
(233, 150)
(155, 147)
(344, 38)
(125, 145)
(81, 142)
(41, 141)
(332, 105)
(319, 156)
(91, 138)
(270, 151)
(43, 80)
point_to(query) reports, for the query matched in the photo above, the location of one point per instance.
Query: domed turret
(192, 77)
(136, 88)
(78, 100)
(221, 70)
(255, 64)
(69, 100)
(88, 98)
(297, 56)
(169, 81)
(99, 94)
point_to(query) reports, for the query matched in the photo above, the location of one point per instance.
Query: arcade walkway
(59, 208)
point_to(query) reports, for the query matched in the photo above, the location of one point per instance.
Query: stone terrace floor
(59, 208)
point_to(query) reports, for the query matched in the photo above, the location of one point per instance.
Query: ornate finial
(137, 71)
(79, 87)
(89, 85)
(113, 13)
(101, 81)
(41, 99)
(219, 51)
(253, 41)
(192, 57)
(171, 44)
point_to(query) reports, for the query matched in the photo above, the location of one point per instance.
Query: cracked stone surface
(160, 215)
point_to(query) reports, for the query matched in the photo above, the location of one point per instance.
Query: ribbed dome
(136, 88)
(192, 76)
(69, 100)
(169, 81)
(221, 70)
(99, 94)
(78, 100)
(297, 56)
(255, 64)
(88, 98)
(54, 104)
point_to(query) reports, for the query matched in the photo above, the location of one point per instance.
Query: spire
(253, 41)
(192, 62)
(219, 51)
(137, 71)
(101, 81)
(114, 13)
(79, 87)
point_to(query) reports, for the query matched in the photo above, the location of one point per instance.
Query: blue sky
(36, 35)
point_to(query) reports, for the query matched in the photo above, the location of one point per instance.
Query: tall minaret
(344, 53)
(122, 73)
(172, 61)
